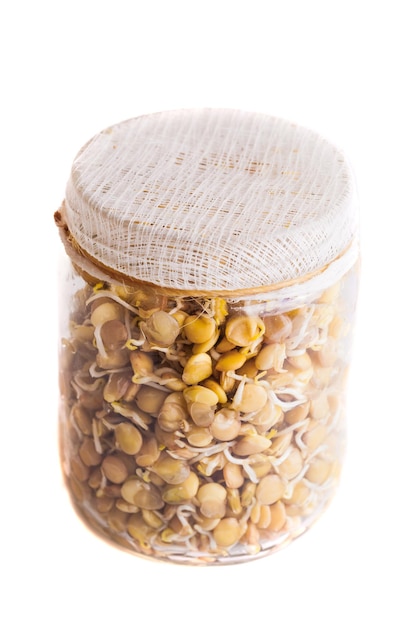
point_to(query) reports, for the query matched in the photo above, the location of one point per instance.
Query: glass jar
(206, 322)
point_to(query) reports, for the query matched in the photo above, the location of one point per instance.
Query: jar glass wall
(202, 429)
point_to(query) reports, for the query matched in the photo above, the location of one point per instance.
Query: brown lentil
(88, 453)
(114, 469)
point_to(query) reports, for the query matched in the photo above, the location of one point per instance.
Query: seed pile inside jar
(197, 428)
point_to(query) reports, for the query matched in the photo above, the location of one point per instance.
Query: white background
(345, 69)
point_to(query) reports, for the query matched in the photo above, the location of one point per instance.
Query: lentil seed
(212, 384)
(161, 329)
(79, 469)
(150, 400)
(128, 438)
(198, 436)
(142, 495)
(172, 471)
(149, 452)
(114, 469)
(233, 476)
(318, 471)
(277, 328)
(227, 532)
(271, 357)
(292, 465)
(242, 330)
(201, 414)
(103, 504)
(117, 520)
(82, 419)
(183, 492)
(199, 328)
(251, 444)
(141, 362)
(173, 413)
(254, 398)
(138, 529)
(315, 435)
(116, 387)
(197, 368)
(198, 393)
(106, 312)
(278, 516)
(270, 489)
(113, 334)
(212, 500)
(225, 425)
(229, 361)
(88, 453)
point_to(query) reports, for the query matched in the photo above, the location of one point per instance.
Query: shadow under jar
(208, 299)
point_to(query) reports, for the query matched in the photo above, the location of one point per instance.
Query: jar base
(237, 554)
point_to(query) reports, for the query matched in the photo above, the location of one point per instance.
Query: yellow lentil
(227, 532)
(242, 330)
(197, 368)
(183, 492)
(212, 500)
(225, 425)
(270, 489)
(229, 361)
(199, 328)
(251, 444)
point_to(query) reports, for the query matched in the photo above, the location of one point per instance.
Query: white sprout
(293, 341)
(323, 487)
(289, 489)
(202, 531)
(219, 447)
(150, 381)
(96, 438)
(104, 293)
(169, 354)
(97, 374)
(286, 405)
(131, 343)
(213, 464)
(244, 463)
(155, 379)
(179, 305)
(298, 352)
(276, 462)
(167, 548)
(182, 511)
(99, 342)
(127, 326)
(292, 427)
(298, 437)
(80, 382)
(237, 398)
(108, 424)
(74, 423)
(125, 411)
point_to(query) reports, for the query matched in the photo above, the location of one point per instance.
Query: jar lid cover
(211, 200)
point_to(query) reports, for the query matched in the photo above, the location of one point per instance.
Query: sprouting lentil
(191, 426)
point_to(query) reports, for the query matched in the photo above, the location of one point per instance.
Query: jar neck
(299, 288)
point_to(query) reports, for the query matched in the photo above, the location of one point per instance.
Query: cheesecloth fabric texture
(215, 201)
